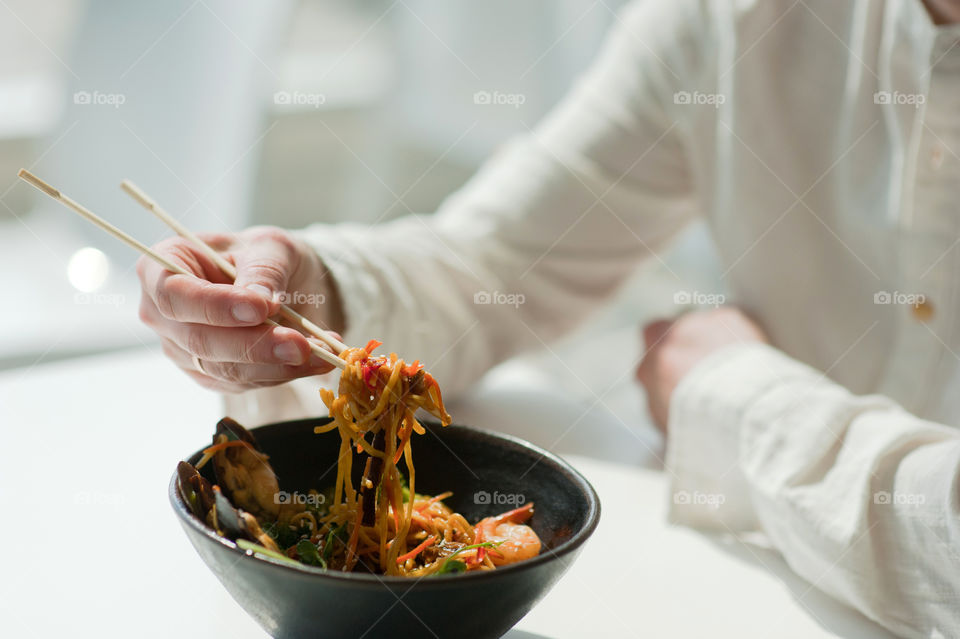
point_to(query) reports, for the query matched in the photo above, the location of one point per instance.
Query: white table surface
(91, 546)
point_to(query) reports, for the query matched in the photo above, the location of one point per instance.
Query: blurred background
(234, 112)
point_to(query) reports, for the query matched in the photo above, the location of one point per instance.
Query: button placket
(923, 279)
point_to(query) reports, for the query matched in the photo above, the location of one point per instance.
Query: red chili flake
(370, 368)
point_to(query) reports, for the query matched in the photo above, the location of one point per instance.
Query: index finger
(194, 299)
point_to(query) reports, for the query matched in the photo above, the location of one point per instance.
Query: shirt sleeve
(547, 230)
(859, 496)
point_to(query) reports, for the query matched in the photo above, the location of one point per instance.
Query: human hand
(674, 347)
(221, 323)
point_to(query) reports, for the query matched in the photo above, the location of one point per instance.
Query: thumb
(265, 267)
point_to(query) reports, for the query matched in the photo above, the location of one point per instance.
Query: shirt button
(936, 157)
(922, 310)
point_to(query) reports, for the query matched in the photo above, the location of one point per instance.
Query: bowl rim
(573, 543)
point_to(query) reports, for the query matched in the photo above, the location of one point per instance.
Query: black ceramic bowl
(482, 468)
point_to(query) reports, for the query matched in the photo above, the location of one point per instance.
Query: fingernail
(260, 290)
(245, 312)
(288, 352)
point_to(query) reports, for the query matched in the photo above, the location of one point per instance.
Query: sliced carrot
(372, 345)
(416, 551)
(404, 440)
(353, 542)
(478, 539)
(227, 444)
(395, 509)
(411, 369)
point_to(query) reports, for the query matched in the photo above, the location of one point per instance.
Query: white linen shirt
(819, 140)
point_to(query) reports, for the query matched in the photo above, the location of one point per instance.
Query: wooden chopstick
(90, 216)
(228, 269)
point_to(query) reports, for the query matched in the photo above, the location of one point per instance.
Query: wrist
(314, 292)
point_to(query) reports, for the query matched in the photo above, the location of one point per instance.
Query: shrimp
(517, 541)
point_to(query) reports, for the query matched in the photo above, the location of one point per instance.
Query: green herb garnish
(340, 532)
(283, 534)
(309, 554)
(404, 487)
(266, 552)
(453, 566)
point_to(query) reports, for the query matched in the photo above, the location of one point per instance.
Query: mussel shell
(228, 518)
(195, 489)
(233, 430)
(264, 506)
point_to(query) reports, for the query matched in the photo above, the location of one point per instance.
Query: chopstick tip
(32, 179)
(136, 193)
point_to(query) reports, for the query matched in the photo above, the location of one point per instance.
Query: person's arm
(539, 238)
(860, 497)
(550, 227)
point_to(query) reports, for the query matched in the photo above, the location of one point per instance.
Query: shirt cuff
(704, 438)
(340, 248)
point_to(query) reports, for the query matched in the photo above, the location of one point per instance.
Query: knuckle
(278, 236)
(142, 264)
(270, 268)
(172, 245)
(163, 300)
(197, 342)
(230, 372)
(272, 233)
(210, 315)
(250, 353)
(213, 311)
(180, 251)
(145, 313)
(217, 240)
(170, 350)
